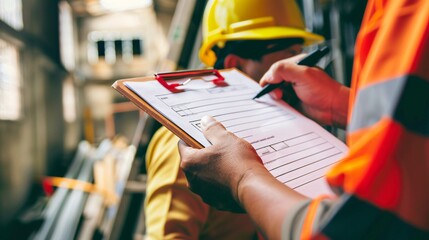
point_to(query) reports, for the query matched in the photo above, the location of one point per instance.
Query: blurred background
(59, 116)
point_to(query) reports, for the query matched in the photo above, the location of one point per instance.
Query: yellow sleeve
(171, 210)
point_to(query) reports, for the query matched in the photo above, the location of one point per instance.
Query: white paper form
(296, 150)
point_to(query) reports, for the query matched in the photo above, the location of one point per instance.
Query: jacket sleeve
(384, 178)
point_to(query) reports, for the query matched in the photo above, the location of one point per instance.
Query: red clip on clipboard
(162, 78)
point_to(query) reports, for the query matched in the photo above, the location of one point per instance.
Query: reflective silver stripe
(404, 99)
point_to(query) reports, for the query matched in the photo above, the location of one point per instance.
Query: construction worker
(247, 34)
(383, 181)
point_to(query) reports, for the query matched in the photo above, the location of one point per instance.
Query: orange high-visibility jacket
(385, 177)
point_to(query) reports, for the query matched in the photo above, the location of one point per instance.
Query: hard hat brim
(208, 57)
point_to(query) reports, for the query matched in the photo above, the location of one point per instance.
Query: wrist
(244, 180)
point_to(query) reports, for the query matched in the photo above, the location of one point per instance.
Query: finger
(186, 153)
(190, 177)
(276, 94)
(277, 73)
(272, 76)
(296, 58)
(185, 150)
(268, 78)
(213, 130)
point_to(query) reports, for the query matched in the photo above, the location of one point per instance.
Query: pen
(310, 60)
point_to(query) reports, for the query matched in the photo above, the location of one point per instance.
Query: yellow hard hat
(229, 20)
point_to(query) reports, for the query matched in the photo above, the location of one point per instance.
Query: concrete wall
(41, 143)
(34, 145)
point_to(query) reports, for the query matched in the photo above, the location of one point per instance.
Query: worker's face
(257, 68)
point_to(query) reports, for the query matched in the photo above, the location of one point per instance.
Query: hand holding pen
(309, 90)
(310, 60)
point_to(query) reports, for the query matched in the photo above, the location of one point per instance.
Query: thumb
(213, 130)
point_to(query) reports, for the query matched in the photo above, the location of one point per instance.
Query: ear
(234, 61)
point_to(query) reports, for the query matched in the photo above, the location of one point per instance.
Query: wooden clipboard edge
(140, 103)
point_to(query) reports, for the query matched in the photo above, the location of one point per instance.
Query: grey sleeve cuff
(292, 225)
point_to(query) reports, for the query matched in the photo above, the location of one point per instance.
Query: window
(115, 5)
(66, 36)
(10, 85)
(112, 46)
(11, 13)
(69, 101)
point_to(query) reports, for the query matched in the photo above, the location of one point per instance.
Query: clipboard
(295, 149)
(164, 79)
